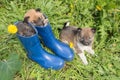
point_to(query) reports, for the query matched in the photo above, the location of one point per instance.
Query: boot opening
(25, 29)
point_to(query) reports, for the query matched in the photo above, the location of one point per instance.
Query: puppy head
(85, 36)
(36, 17)
(24, 28)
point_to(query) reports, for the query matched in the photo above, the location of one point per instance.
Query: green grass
(81, 13)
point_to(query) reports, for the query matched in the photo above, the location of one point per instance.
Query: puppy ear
(79, 29)
(45, 16)
(38, 10)
(26, 19)
(93, 30)
(76, 31)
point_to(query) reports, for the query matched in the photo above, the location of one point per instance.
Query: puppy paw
(83, 58)
(91, 51)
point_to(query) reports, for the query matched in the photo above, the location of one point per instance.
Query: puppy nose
(86, 43)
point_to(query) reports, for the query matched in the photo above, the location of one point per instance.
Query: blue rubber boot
(59, 48)
(37, 54)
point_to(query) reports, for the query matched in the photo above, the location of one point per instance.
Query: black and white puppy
(82, 39)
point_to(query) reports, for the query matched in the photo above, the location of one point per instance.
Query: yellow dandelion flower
(71, 6)
(71, 45)
(99, 8)
(12, 29)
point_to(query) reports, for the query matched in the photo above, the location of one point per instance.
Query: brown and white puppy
(82, 39)
(36, 17)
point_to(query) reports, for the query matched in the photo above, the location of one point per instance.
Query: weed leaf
(9, 67)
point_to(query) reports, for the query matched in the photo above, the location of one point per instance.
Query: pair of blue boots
(36, 53)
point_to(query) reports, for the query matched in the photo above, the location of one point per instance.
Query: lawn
(104, 15)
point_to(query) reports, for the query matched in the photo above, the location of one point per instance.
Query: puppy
(36, 17)
(82, 39)
(24, 29)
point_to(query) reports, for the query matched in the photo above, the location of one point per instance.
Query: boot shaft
(58, 47)
(46, 35)
(45, 32)
(30, 41)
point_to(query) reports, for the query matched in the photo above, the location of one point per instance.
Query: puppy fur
(24, 29)
(36, 17)
(82, 39)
